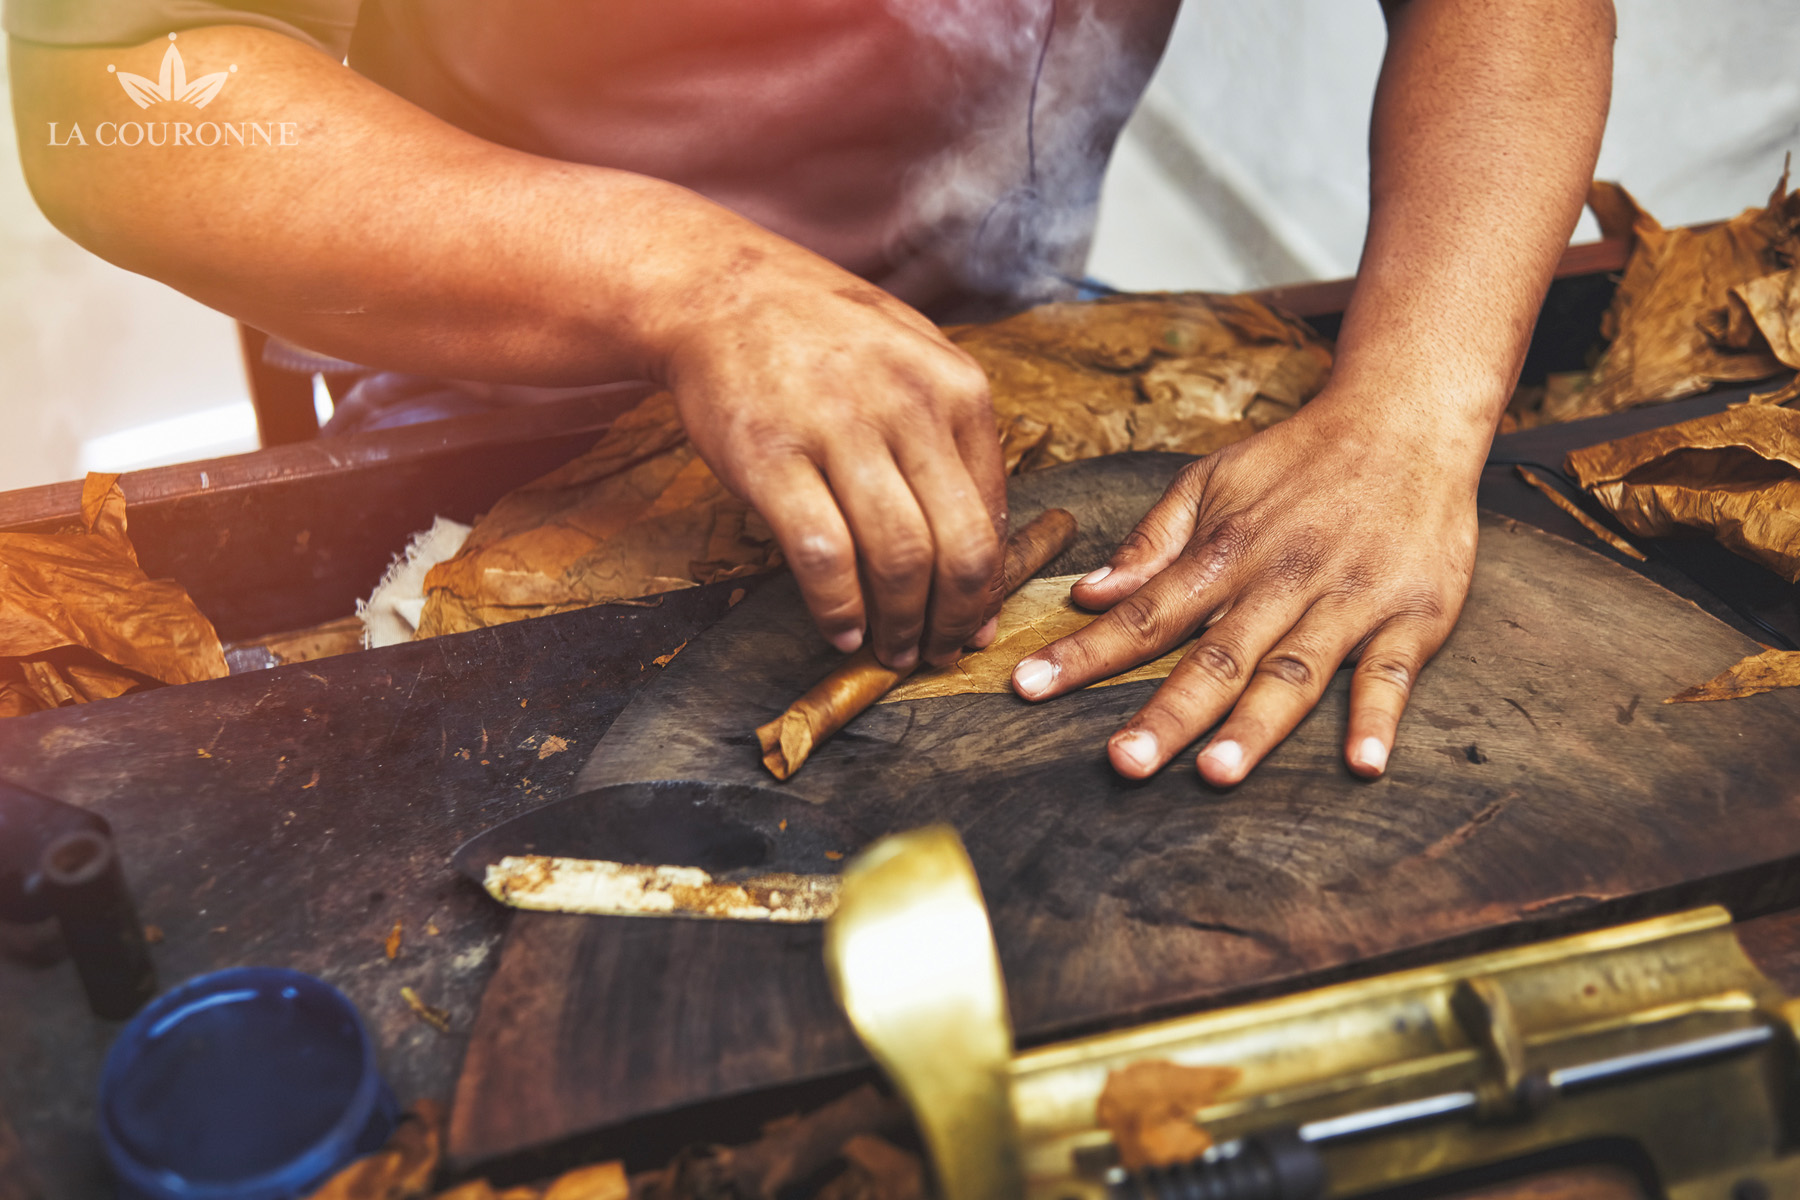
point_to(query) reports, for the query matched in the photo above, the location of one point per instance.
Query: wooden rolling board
(1540, 785)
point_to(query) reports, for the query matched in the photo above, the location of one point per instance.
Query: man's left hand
(1337, 535)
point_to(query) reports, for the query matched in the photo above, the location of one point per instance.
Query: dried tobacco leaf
(791, 1150)
(1183, 373)
(81, 621)
(1032, 617)
(1149, 1107)
(1675, 326)
(877, 1170)
(401, 1170)
(641, 513)
(1765, 672)
(638, 513)
(1735, 475)
(1773, 303)
(598, 1181)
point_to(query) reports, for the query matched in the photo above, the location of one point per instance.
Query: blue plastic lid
(254, 1083)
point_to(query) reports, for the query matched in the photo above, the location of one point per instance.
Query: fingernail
(848, 641)
(1094, 576)
(1033, 675)
(1371, 753)
(984, 637)
(1227, 755)
(1139, 746)
(906, 660)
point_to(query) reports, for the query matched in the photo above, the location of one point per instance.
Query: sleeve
(325, 24)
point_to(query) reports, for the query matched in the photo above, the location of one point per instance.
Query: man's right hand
(380, 234)
(865, 439)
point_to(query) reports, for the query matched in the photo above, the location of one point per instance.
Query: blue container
(249, 1084)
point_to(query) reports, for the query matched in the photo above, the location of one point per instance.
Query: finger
(978, 445)
(1385, 673)
(1203, 686)
(966, 561)
(1156, 542)
(815, 540)
(1286, 685)
(1150, 621)
(893, 546)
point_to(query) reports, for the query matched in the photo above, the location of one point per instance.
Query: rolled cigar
(861, 680)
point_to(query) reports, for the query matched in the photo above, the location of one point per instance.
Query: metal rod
(1624, 1065)
(1387, 1116)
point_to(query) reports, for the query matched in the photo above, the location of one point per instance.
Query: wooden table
(291, 816)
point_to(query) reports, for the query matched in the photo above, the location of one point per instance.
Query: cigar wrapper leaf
(860, 680)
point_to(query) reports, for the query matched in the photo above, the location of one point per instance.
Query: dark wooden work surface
(243, 855)
(1539, 785)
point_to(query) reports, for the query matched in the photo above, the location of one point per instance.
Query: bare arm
(386, 236)
(1348, 532)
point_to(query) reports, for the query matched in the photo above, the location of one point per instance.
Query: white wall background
(87, 349)
(1245, 167)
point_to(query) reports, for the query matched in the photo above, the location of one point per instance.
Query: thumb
(1156, 542)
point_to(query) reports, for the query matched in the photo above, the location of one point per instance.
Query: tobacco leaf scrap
(877, 1170)
(401, 1170)
(641, 513)
(1149, 1107)
(81, 621)
(599, 1181)
(791, 1150)
(1679, 322)
(1735, 475)
(435, 1017)
(1765, 672)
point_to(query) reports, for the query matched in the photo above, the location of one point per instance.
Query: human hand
(865, 439)
(1331, 536)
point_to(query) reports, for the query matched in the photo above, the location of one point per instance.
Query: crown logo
(171, 82)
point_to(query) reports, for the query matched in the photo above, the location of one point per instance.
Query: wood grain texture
(1539, 786)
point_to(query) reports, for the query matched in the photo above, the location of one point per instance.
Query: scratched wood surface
(1540, 786)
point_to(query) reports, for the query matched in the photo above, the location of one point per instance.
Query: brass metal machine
(1658, 1043)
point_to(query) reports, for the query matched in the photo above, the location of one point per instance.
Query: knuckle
(1137, 544)
(1353, 582)
(1223, 547)
(1289, 667)
(904, 564)
(970, 567)
(963, 381)
(1389, 669)
(1421, 604)
(821, 554)
(1218, 659)
(1139, 618)
(1299, 560)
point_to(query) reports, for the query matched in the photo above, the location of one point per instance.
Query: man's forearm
(1486, 124)
(382, 234)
